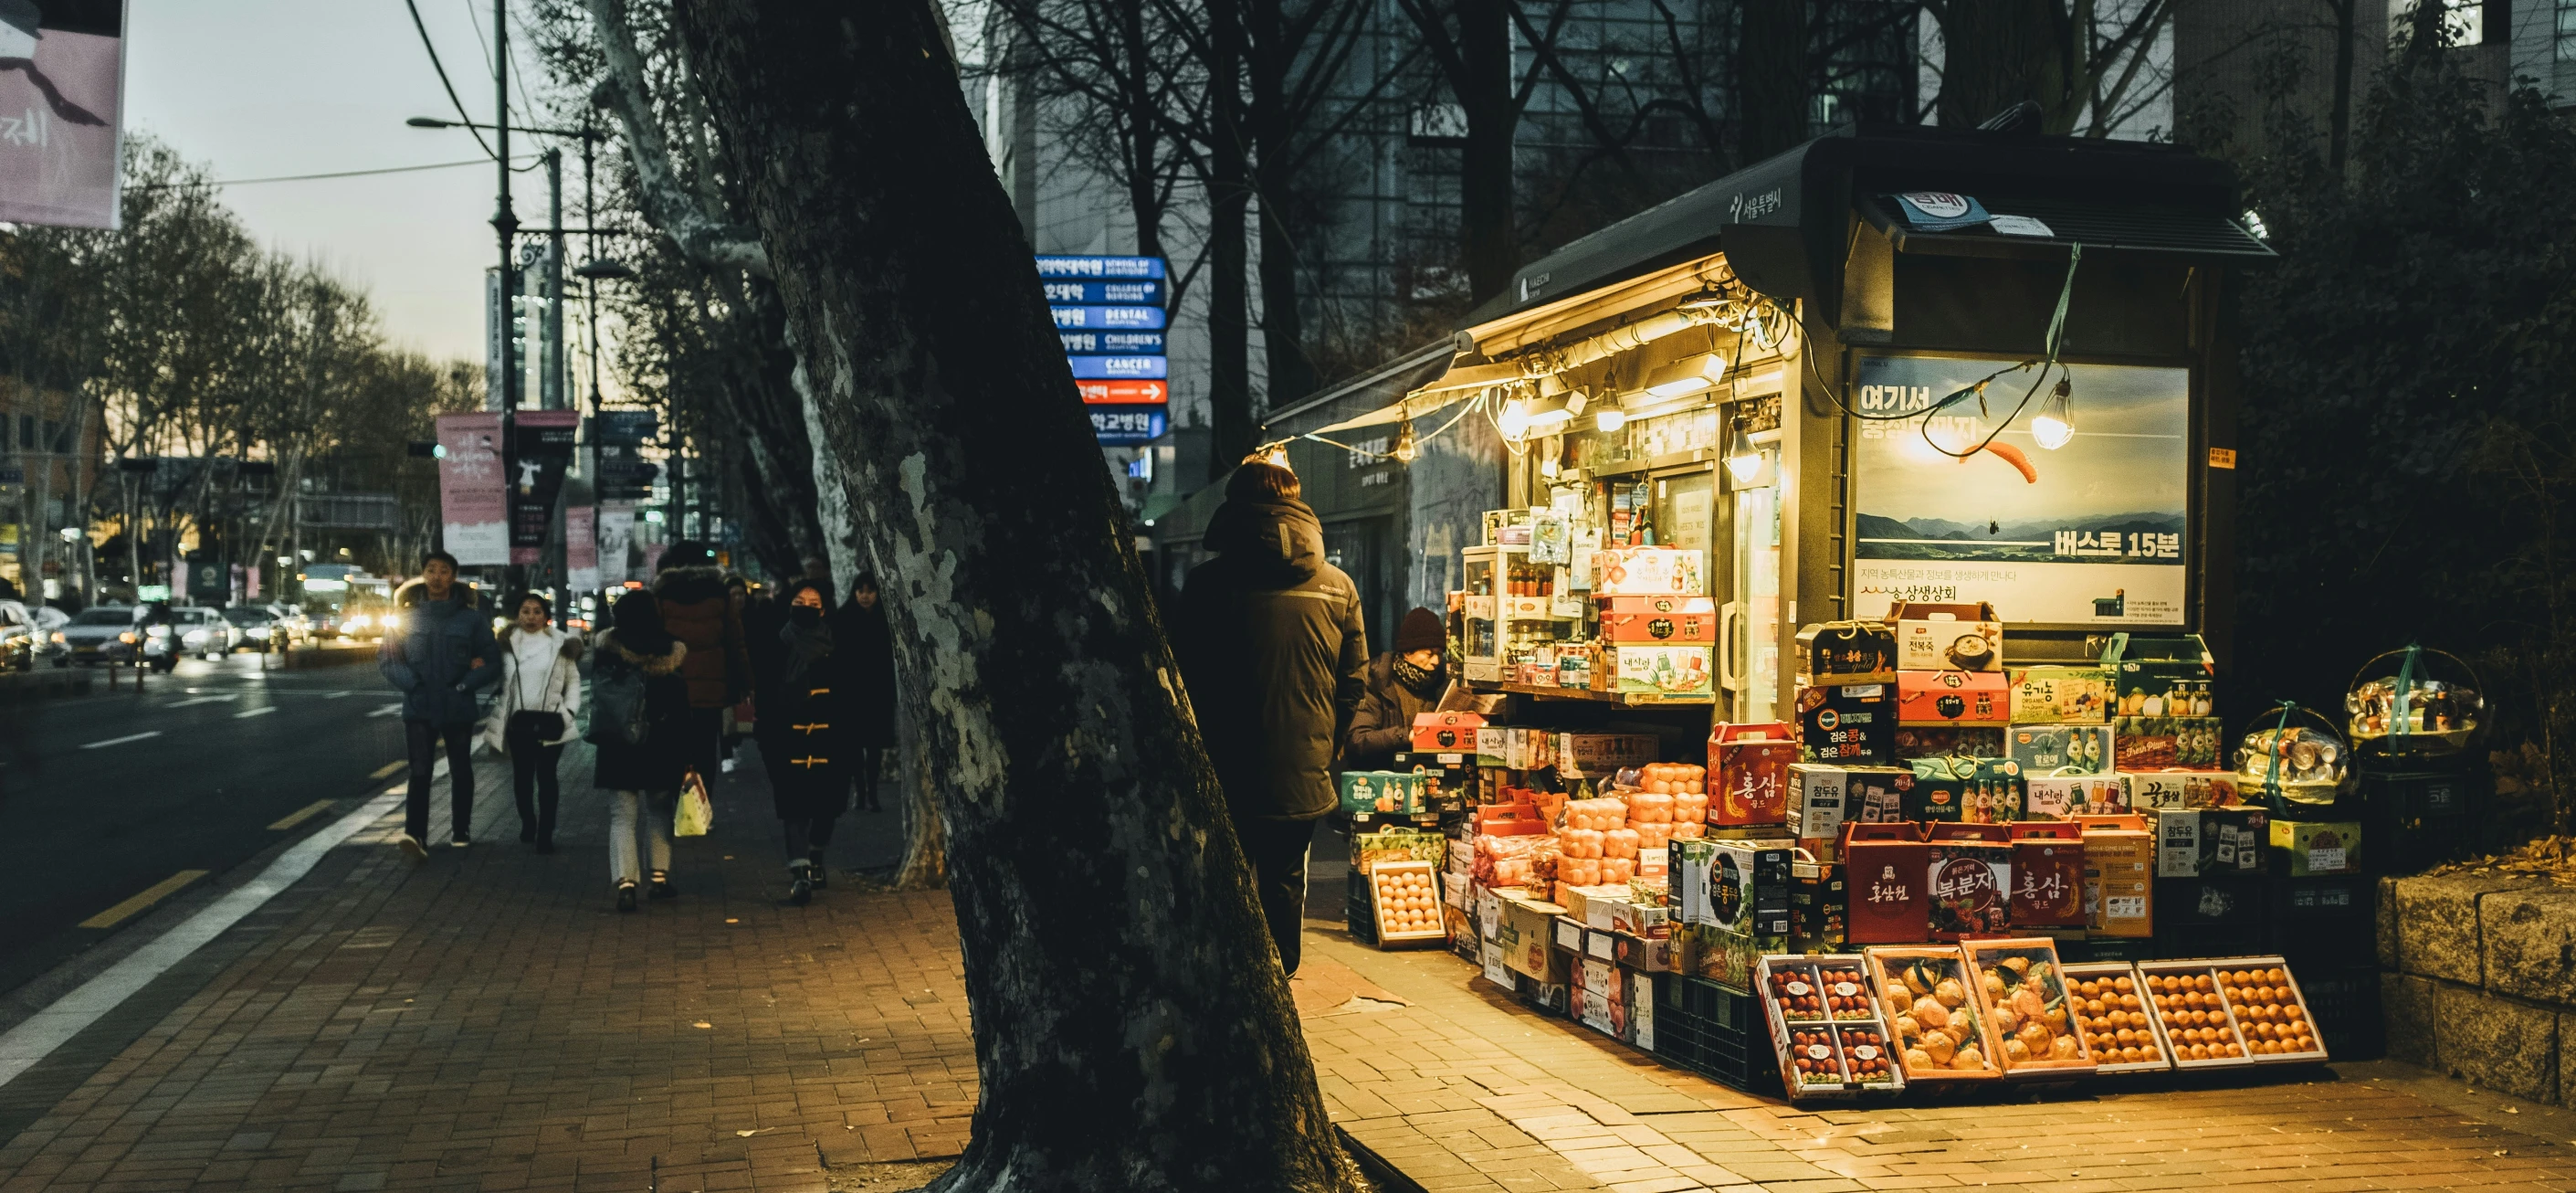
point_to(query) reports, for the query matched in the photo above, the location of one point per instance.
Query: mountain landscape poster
(1966, 504)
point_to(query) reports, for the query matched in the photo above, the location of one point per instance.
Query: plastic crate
(1359, 909)
(2413, 820)
(1715, 1032)
(2345, 1001)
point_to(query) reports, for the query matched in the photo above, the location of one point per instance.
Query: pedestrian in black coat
(1269, 641)
(868, 646)
(809, 771)
(643, 778)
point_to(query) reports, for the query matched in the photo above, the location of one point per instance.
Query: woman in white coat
(537, 712)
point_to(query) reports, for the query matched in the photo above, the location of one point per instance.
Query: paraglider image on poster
(1967, 503)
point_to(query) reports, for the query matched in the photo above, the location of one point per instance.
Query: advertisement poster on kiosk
(2092, 531)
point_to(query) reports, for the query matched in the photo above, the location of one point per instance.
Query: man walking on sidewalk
(439, 654)
(1269, 643)
(697, 611)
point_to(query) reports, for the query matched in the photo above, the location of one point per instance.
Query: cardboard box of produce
(1950, 698)
(1939, 1026)
(1819, 897)
(1647, 571)
(1846, 652)
(2154, 676)
(1962, 790)
(1446, 732)
(1924, 741)
(2165, 743)
(1646, 953)
(1825, 1027)
(1960, 637)
(2061, 749)
(1527, 935)
(2023, 993)
(1824, 796)
(2060, 695)
(2157, 790)
(2210, 842)
(1569, 934)
(1848, 723)
(1600, 755)
(1490, 956)
(1969, 875)
(2119, 876)
(1641, 1014)
(1660, 670)
(1744, 887)
(1749, 765)
(2048, 875)
(2063, 797)
(2317, 848)
(1384, 791)
(1681, 620)
(1883, 867)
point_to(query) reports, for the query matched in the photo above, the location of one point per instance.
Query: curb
(1381, 1174)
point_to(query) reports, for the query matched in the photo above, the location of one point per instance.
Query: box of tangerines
(2118, 1026)
(2231, 1011)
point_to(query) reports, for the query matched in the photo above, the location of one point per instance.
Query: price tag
(1819, 1052)
(1847, 989)
(1864, 1052)
(1799, 988)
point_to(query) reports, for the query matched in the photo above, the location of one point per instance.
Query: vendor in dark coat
(867, 645)
(1402, 683)
(809, 768)
(1269, 641)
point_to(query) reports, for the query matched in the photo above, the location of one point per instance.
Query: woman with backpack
(534, 716)
(639, 706)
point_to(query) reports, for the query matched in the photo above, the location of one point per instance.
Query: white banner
(581, 549)
(616, 535)
(473, 492)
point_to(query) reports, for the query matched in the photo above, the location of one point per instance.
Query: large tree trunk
(1132, 1027)
(1771, 78)
(1488, 233)
(1229, 258)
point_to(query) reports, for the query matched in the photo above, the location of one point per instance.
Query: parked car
(100, 634)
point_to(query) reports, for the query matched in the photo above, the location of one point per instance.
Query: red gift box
(1953, 698)
(1445, 732)
(1682, 620)
(1748, 773)
(2047, 874)
(1883, 867)
(1969, 872)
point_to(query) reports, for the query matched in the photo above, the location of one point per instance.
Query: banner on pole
(473, 492)
(62, 84)
(581, 549)
(541, 447)
(616, 537)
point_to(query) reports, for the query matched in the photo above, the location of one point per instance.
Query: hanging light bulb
(1610, 418)
(2054, 425)
(1515, 420)
(1405, 448)
(1742, 458)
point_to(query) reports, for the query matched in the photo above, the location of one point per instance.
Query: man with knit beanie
(1269, 642)
(1402, 682)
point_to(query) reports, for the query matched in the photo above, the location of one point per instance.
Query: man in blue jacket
(438, 655)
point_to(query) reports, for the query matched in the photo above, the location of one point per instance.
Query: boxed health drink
(2061, 749)
(1848, 723)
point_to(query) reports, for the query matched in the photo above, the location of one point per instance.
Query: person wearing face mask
(1402, 684)
(806, 737)
(540, 695)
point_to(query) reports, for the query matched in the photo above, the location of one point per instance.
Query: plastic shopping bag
(696, 813)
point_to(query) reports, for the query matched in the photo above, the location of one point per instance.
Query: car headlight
(58, 636)
(126, 637)
(356, 623)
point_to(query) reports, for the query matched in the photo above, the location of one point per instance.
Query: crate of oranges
(1407, 898)
(2270, 1013)
(2116, 1022)
(1826, 1027)
(2193, 1015)
(1934, 1016)
(2029, 1008)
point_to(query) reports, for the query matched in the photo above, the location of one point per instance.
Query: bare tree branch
(703, 237)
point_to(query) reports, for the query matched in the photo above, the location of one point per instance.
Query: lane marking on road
(203, 700)
(388, 768)
(150, 895)
(248, 713)
(337, 695)
(300, 815)
(24, 1046)
(386, 711)
(118, 741)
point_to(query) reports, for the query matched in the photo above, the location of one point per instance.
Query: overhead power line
(332, 174)
(441, 68)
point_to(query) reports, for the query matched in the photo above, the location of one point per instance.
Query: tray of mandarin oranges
(2113, 1015)
(2231, 1011)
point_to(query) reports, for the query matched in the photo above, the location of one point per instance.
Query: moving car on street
(100, 634)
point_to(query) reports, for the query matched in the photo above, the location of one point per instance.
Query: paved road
(139, 796)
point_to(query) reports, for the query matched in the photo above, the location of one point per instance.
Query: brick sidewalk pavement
(486, 1021)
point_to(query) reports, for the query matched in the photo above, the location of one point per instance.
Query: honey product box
(1955, 637)
(1848, 723)
(2061, 749)
(1846, 652)
(2047, 875)
(2060, 695)
(2119, 876)
(2317, 848)
(1749, 766)
(1825, 796)
(1681, 620)
(1968, 875)
(1883, 873)
(1951, 698)
(1647, 571)
(2064, 797)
